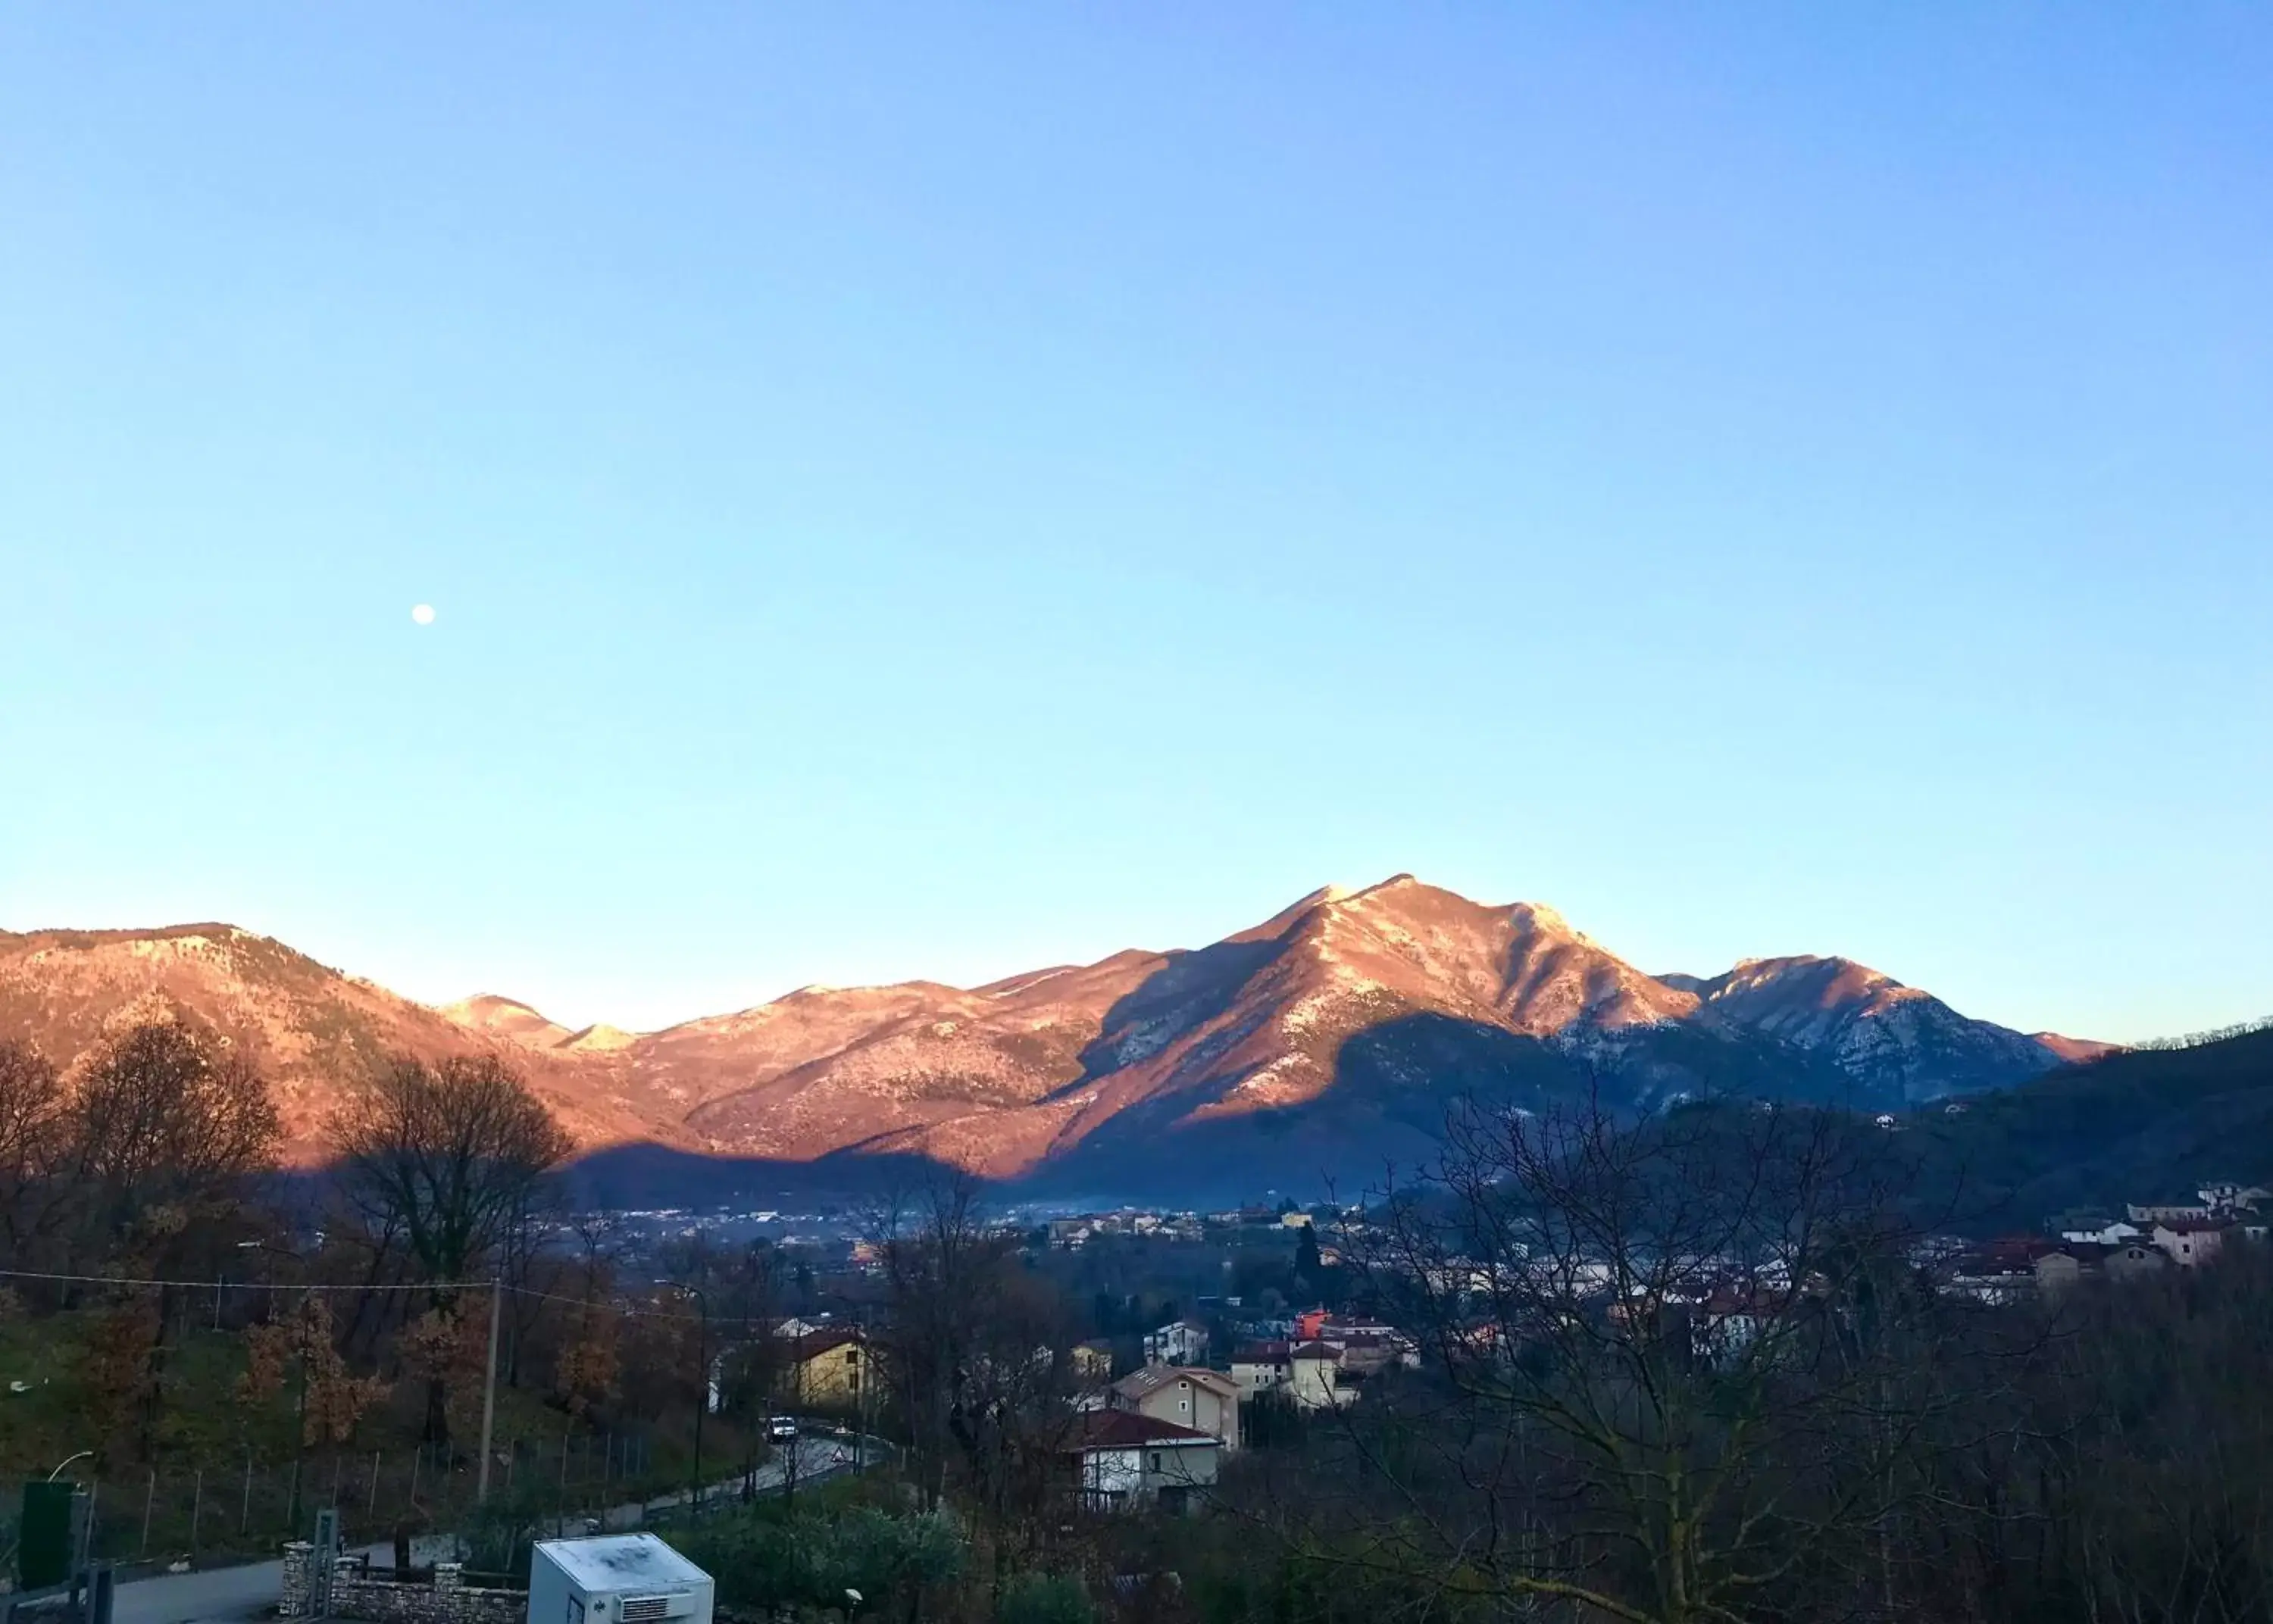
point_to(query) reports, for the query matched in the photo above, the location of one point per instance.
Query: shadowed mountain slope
(2143, 1125)
(1897, 1042)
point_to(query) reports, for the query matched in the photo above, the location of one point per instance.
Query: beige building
(2191, 1242)
(2133, 1259)
(1206, 1401)
(825, 1367)
(2081, 1261)
(1309, 1372)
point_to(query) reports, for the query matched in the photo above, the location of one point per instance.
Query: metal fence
(249, 1503)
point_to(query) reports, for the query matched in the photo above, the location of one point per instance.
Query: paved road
(217, 1594)
(181, 1597)
(817, 1457)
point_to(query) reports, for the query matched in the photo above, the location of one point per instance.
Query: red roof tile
(1126, 1429)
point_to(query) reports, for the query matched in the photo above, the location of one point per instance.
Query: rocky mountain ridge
(1337, 1032)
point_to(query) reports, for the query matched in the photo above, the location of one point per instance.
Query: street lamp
(58, 1471)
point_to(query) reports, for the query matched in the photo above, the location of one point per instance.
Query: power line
(147, 1281)
(244, 1285)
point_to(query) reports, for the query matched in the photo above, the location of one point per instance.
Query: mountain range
(1322, 1042)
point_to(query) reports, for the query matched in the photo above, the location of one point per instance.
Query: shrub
(766, 1561)
(1044, 1598)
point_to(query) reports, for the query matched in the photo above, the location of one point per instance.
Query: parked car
(782, 1429)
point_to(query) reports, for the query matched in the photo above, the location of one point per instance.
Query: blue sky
(946, 490)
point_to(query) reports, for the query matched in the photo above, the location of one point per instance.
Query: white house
(2233, 1197)
(1180, 1342)
(2115, 1234)
(1123, 1459)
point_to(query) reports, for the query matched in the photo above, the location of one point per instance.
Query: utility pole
(489, 1391)
(299, 1432)
(796, 1412)
(702, 1387)
(864, 1387)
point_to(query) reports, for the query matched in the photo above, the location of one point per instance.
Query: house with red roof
(1191, 1395)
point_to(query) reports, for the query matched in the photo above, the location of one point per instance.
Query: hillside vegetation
(2142, 1125)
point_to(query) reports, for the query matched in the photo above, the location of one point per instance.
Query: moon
(424, 614)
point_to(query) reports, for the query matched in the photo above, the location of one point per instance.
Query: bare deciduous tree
(448, 1156)
(32, 1137)
(166, 1124)
(937, 1261)
(1676, 1368)
(452, 1158)
(978, 1352)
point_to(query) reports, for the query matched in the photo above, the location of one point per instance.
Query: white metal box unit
(615, 1579)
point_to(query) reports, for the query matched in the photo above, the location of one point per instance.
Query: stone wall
(293, 1600)
(357, 1595)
